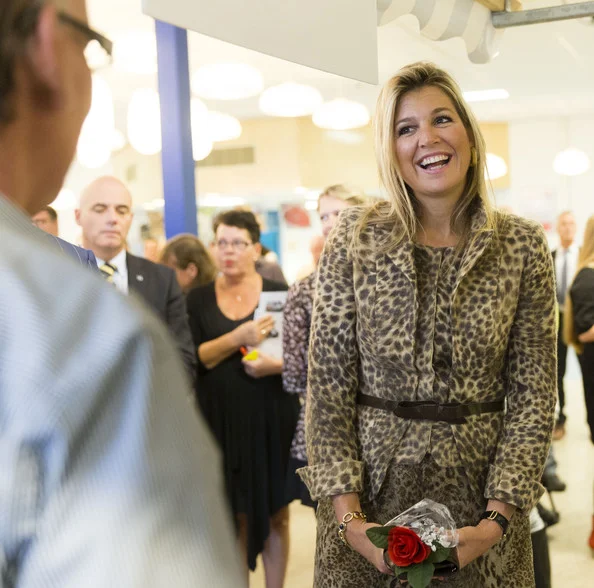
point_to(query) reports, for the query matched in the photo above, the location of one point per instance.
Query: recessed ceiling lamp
(290, 100)
(94, 145)
(222, 127)
(201, 139)
(571, 162)
(341, 115)
(144, 122)
(136, 52)
(496, 167)
(486, 95)
(227, 81)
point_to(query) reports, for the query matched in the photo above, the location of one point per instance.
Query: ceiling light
(227, 81)
(341, 115)
(290, 100)
(136, 52)
(571, 162)
(222, 127)
(201, 139)
(95, 141)
(496, 167)
(485, 95)
(144, 122)
(66, 200)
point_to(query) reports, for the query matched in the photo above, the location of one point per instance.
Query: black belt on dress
(454, 413)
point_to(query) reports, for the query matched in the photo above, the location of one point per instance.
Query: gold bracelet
(346, 519)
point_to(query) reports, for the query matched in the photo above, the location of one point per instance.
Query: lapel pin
(140, 278)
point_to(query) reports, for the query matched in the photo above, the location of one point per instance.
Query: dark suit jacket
(158, 286)
(83, 256)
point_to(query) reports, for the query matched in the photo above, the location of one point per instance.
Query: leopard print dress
(420, 324)
(427, 462)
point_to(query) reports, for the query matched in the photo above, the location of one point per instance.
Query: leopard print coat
(504, 346)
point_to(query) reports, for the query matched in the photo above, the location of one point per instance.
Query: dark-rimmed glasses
(98, 50)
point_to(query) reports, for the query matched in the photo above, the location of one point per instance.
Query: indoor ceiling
(547, 69)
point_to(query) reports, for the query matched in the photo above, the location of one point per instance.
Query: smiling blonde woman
(432, 370)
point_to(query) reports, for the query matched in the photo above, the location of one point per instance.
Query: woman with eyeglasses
(296, 330)
(243, 400)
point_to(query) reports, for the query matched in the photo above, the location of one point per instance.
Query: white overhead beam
(507, 19)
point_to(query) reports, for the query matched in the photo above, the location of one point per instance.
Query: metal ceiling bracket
(507, 19)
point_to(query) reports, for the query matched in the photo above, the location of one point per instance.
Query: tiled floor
(571, 560)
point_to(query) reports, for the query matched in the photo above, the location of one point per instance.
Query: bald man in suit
(105, 216)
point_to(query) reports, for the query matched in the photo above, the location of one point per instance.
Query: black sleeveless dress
(253, 421)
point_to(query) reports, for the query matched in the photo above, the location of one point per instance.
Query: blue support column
(177, 161)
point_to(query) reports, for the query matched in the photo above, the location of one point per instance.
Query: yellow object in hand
(252, 355)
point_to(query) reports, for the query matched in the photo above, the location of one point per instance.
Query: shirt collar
(119, 261)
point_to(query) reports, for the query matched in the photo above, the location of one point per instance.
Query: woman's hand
(264, 366)
(358, 540)
(252, 333)
(475, 541)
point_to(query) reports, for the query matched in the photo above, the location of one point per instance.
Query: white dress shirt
(572, 263)
(120, 277)
(105, 481)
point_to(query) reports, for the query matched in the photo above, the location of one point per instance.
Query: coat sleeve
(514, 477)
(332, 451)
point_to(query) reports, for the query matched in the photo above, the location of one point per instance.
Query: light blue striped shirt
(108, 478)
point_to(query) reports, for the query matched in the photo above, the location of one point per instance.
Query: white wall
(533, 146)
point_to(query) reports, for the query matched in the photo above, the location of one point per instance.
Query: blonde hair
(348, 194)
(402, 209)
(586, 259)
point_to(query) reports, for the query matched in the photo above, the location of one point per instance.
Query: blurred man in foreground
(108, 477)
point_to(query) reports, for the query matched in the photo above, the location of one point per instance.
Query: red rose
(405, 547)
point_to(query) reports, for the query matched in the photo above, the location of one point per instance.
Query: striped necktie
(108, 270)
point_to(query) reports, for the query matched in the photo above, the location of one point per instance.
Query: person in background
(565, 258)
(243, 400)
(190, 260)
(268, 267)
(432, 365)
(106, 478)
(105, 216)
(316, 246)
(579, 326)
(151, 249)
(296, 332)
(47, 220)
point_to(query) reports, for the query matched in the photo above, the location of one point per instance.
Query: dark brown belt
(431, 411)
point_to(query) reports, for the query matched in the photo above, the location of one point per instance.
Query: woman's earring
(473, 156)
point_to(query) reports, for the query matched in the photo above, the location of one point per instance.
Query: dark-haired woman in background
(191, 261)
(251, 416)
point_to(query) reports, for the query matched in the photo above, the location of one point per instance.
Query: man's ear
(77, 216)
(42, 51)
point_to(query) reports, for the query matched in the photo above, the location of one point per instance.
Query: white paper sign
(272, 303)
(336, 36)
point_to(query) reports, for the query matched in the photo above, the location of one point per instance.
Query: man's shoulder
(84, 256)
(150, 267)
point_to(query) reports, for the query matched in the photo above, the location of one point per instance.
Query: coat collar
(479, 239)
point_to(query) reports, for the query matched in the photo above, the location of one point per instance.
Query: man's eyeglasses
(236, 244)
(99, 49)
